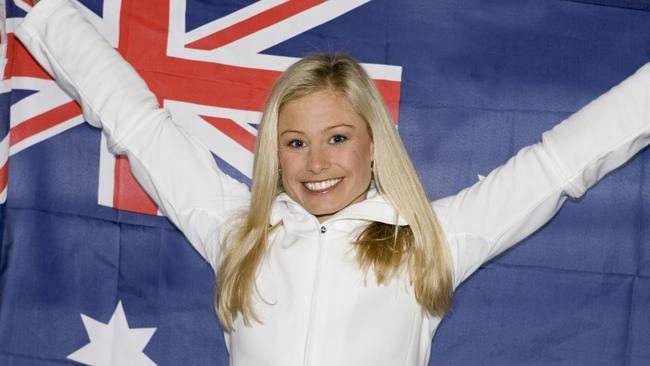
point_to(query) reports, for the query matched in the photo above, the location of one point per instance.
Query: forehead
(317, 111)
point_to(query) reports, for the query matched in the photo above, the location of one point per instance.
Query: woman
(336, 256)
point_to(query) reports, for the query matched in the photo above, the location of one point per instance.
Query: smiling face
(325, 153)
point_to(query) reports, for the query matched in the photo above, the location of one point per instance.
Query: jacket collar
(374, 208)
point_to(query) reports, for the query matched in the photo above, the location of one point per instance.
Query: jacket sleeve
(520, 196)
(176, 170)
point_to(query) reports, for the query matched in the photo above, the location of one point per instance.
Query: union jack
(213, 79)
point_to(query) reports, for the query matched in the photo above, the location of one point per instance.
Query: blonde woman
(336, 256)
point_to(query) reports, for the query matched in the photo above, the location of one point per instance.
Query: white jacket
(314, 304)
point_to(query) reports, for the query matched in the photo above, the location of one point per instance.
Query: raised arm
(176, 170)
(517, 198)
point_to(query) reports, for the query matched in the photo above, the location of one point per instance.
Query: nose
(317, 159)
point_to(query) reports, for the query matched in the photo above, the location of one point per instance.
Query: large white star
(114, 343)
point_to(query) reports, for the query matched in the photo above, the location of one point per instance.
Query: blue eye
(337, 139)
(296, 143)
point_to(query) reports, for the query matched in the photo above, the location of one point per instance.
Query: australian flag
(91, 274)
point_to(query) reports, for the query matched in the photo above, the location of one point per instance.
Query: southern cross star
(114, 343)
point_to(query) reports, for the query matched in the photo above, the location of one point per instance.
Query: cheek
(285, 160)
(359, 161)
(289, 165)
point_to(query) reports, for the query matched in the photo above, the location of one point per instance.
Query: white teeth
(319, 186)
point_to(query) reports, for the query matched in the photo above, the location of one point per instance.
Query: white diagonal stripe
(47, 97)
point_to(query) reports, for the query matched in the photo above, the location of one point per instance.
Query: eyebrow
(326, 129)
(289, 131)
(340, 125)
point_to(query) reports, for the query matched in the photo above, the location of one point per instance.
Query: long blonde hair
(380, 247)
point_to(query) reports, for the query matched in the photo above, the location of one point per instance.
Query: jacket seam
(570, 178)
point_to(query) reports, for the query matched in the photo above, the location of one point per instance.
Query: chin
(324, 210)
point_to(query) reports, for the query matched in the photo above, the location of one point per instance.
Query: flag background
(477, 81)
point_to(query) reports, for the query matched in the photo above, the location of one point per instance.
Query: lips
(322, 185)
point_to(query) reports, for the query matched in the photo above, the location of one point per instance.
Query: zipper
(313, 307)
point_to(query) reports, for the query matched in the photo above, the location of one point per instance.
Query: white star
(113, 343)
